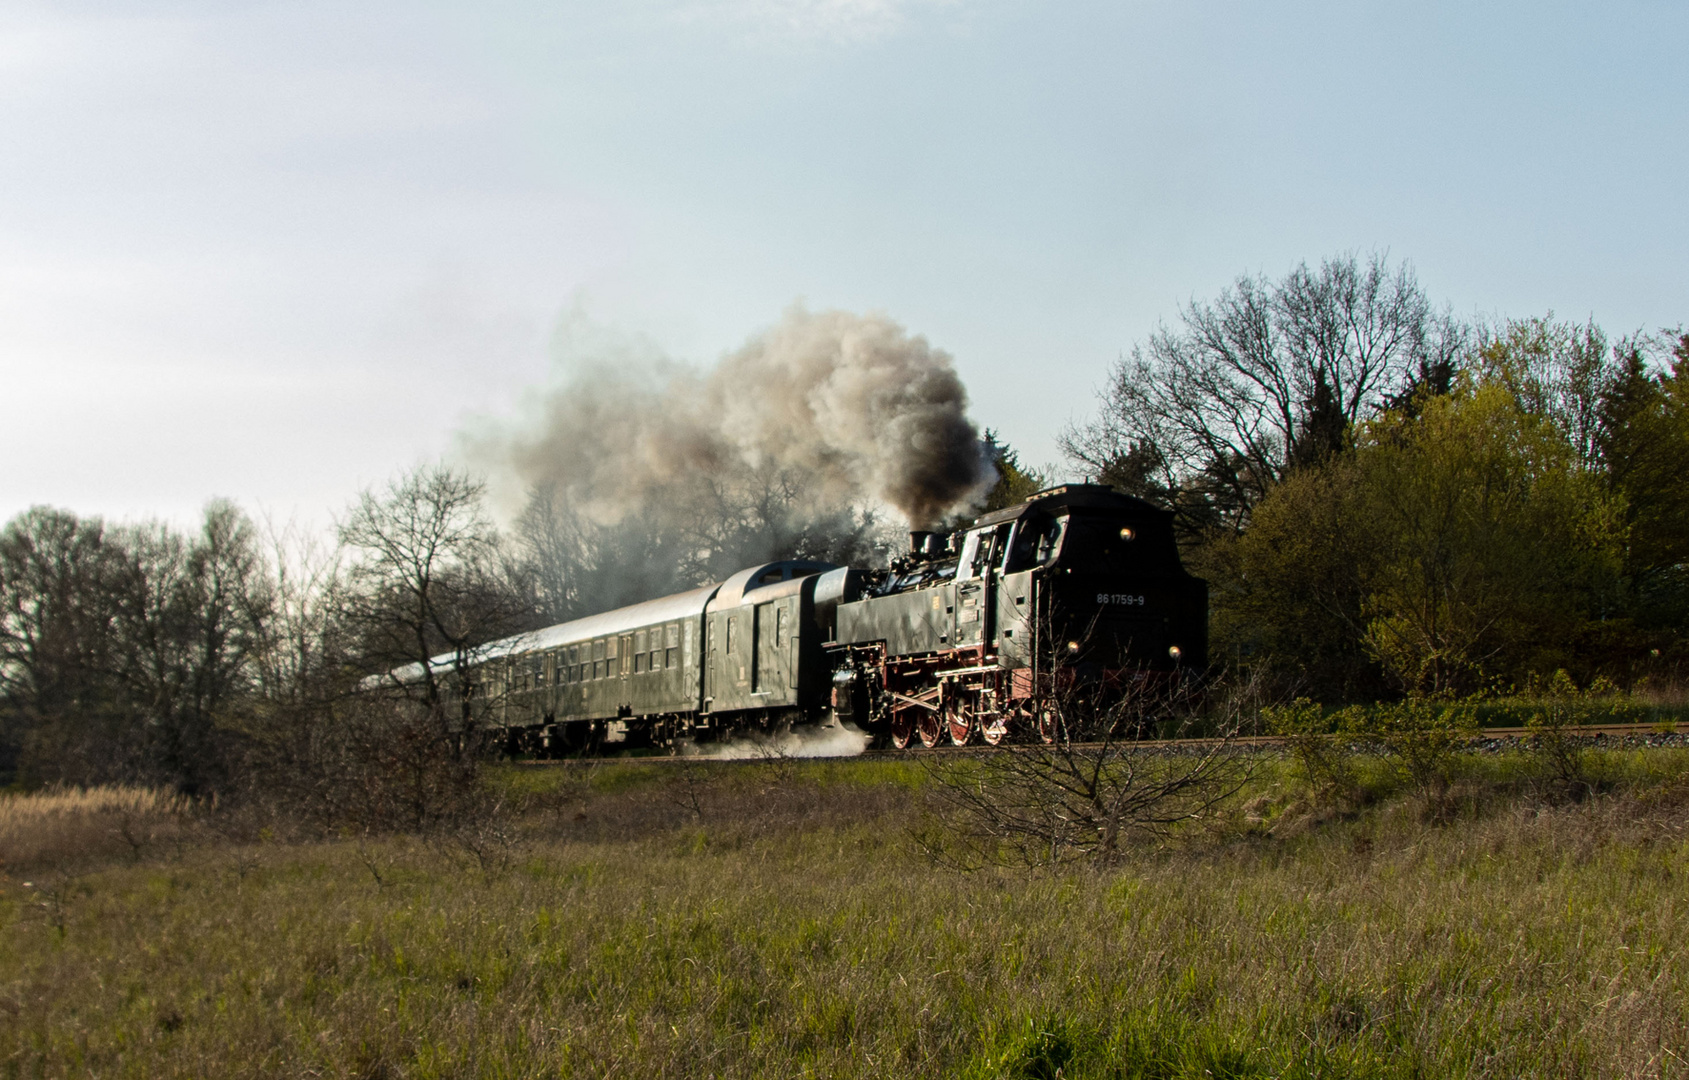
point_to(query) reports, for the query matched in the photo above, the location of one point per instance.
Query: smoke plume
(790, 446)
(852, 405)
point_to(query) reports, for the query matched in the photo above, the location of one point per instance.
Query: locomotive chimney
(918, 541)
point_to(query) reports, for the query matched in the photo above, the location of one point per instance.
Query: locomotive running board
(983, 668)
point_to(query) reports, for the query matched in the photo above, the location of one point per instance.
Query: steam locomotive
(959, 640)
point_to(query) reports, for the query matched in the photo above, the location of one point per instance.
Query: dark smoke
(644, 475)
(858, 405)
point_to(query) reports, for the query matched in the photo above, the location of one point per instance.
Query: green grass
(791, 929)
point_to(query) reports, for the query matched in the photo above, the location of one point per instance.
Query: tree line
(1388, 500)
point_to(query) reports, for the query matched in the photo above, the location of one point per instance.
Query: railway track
(1658, 734)
(1597, 732)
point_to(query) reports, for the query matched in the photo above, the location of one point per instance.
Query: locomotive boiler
(962, 639)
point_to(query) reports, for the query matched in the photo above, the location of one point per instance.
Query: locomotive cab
(1094, 571)
(1116, 595)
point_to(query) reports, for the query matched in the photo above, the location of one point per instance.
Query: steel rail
(915, 750)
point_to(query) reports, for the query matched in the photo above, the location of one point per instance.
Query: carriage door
(711, 661)
(761, 629)
(768, 660)
(740, 654)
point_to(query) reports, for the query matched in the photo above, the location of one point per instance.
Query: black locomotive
(960, 639)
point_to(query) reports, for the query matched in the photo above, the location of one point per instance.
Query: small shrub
(1560, 709)
(1320, 747)
(1423, 737)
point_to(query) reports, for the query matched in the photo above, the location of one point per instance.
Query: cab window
(970, 550)
(1035, 542)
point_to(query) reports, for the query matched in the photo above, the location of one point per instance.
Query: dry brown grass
(74, 826)
(775, 921)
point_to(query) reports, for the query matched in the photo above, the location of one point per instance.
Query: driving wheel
(902, 729)
(931, 727)
(959, 721)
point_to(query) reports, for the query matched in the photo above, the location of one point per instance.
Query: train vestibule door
(762, 628)
(769, 668)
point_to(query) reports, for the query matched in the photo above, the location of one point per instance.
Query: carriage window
(671, 658)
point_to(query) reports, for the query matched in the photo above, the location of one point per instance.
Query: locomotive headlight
(1175, 652)
(1073, 646)
(1128, 534)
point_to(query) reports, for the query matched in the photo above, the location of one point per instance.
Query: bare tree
(1097, 783)
(306, 646)
(427, 582)
(579, 566)
(190, 626)
(1559, 371)
(1209, 415)
(680, 538)
(300, 740)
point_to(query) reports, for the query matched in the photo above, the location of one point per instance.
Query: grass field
(777, 920)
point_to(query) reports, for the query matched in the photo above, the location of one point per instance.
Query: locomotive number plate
(1123, 599)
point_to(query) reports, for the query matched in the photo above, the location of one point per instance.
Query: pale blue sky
(275, 251)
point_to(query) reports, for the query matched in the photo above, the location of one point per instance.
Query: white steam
(841, 740)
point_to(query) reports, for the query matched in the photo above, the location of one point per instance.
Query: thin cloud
(841, 21)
